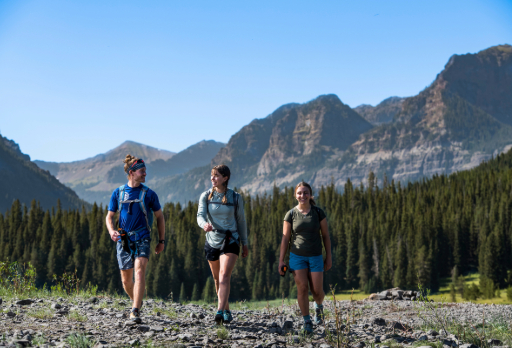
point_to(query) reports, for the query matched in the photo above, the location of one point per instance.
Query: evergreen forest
(383, 235)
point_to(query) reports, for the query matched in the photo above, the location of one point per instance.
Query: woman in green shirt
(306, 225)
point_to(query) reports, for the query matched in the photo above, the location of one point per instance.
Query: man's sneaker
(227, 316)
(319, 315)
(219, 318)
(307, 329)
(134, 316)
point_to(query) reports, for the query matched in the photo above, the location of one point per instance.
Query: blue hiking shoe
(227, 316)
(219, 318)
(319, 315)
(307, 329)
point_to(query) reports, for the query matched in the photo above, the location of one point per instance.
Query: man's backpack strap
(121, 196)
(142, 199)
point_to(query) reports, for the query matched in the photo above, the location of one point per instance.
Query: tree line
(384, 234)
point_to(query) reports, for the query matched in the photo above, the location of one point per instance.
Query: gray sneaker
(319, 315)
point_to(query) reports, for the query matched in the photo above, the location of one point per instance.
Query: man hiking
(136, 204)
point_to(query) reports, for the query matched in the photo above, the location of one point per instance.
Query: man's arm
(160, 222)
(114, 235)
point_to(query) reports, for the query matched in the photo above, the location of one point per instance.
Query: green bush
(509, 293)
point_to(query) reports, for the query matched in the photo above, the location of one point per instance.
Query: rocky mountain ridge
(460, 120)
(463, 118)
(95, 178)
(22, 179)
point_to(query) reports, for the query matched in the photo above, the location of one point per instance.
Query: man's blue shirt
(135, 220)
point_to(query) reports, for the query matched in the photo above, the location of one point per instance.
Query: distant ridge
(95, 178)
(22, 179)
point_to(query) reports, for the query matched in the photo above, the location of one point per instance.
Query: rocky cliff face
(462, 119)
(383, 113)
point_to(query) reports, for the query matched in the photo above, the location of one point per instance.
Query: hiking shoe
(219, 318)
(134, 316)
(227, 316)
(319, 315)
(307, 329)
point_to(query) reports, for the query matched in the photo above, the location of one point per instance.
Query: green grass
(170, 312)
(79, 341)
(443, 295)
(222, 333)
(76, 316)
(41, 313)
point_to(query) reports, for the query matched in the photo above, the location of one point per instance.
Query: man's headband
(136, 165)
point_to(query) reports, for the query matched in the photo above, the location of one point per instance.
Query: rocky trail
(103, 322)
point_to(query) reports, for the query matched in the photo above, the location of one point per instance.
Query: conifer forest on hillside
(383, 235)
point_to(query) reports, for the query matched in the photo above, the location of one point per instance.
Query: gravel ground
(102, 322)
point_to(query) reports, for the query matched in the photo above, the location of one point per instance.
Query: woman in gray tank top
(221, 215)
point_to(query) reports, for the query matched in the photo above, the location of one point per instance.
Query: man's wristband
(161, 241)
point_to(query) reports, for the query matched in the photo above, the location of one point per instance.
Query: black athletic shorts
(213, 254)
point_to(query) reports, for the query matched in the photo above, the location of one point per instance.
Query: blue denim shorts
(124, 259)
(313, 263)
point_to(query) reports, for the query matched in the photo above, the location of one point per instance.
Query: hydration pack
(141, 201)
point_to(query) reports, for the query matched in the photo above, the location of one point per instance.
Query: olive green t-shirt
(306, 238)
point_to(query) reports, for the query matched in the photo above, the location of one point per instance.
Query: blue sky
(78, 78)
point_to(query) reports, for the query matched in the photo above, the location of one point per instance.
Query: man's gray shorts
(141, 248)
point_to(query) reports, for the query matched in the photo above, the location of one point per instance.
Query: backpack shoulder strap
(142, 202)
(236, 196)
(120, 198)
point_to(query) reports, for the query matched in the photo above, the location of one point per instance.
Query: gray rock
(11, 314)
(399, 326)
(379, 322)
(287, 325)
(130, 323)
(325, 345)
(143, 328)
(423, 338)
(149, 334)
(193, 315)
(133, 343)
(24, 302)
(200, 316)
(384, 293)
(156, 328)
(432, 333)
(359, 345)
(21, 342)
(56, 306)
(185, 337)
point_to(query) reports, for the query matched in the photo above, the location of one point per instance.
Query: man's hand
(245, 251)
(114, 235)
(208, 227)
(327, 263)
(159, 248)
(280, 269)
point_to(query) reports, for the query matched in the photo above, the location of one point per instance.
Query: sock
(321, 306)
(307, 318)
